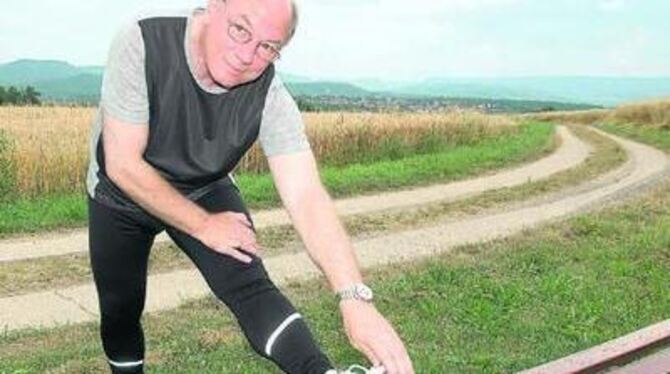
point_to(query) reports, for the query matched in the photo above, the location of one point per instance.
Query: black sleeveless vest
(195, 137)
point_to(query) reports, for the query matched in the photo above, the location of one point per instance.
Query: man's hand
(229, 233)
(371, 334)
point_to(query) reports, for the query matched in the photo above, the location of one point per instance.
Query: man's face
(230, 62)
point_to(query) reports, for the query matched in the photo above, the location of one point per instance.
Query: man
(183, 98)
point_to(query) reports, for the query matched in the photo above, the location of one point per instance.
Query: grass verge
(653, 136)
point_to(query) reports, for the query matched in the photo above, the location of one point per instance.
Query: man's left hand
(370, 333)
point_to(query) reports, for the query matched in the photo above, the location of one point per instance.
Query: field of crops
(648, 114)
(44, 150)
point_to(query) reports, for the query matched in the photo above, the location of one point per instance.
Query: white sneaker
(358, 369)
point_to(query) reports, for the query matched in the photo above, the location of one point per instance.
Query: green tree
(13, 95)
(19, 96)
(307, 105)
(31, 96)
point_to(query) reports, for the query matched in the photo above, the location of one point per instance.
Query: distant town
(428, 104)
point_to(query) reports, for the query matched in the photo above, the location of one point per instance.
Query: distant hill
(607, 91)
(61, 81)
(92, 69)
(24, 72)
(55, 80)
(79, 88)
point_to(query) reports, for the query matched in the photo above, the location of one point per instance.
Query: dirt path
(77, 304)
(571, 153)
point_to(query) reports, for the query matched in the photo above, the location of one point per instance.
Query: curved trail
(571, 153)
(78, 304)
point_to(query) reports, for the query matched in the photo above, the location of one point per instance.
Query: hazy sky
(392, 39)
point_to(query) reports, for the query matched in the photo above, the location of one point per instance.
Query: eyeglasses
(240, 34)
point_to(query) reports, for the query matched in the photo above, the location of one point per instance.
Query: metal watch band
(358, 291)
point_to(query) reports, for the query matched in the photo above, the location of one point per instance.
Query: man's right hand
(229, 233)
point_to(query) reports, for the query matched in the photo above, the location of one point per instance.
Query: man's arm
(314, 216)
(124, 145)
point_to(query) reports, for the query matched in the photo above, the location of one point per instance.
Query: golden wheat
(652, 113)
(577, 116)
(50, 144)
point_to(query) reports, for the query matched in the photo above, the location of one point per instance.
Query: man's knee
(247, 284)
(121, 308)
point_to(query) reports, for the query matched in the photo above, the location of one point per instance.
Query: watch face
(364, 292)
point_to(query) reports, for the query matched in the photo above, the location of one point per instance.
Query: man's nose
(246, 53)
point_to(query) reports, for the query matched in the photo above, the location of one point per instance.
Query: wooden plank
(606, 354)
(657, 363)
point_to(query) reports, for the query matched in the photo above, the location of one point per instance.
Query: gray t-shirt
(124, 95)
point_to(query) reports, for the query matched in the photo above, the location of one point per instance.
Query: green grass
(530, 141)
(653, 136)
(486, 308)
(29, 215)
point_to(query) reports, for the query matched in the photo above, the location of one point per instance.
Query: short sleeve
(124, 87)
(282, 128)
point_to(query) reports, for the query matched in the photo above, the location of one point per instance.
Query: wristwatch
(357, 291)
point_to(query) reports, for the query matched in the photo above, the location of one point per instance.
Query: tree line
(19, 96)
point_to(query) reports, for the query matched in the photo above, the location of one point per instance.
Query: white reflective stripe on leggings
(232, 179)
(125, 364)
(278, 330)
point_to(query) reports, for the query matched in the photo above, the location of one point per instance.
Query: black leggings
(119, 243)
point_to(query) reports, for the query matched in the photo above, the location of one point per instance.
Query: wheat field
(654, 113)
(49, 146)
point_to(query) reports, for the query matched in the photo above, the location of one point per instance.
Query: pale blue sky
(392, 39)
